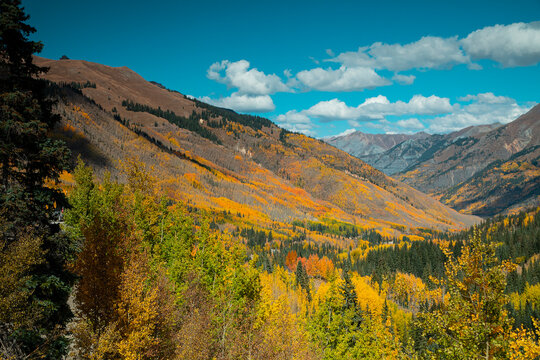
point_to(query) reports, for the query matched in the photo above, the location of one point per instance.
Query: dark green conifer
(28, 158)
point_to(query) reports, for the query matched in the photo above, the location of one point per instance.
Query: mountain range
(216, 159)
(483, 170)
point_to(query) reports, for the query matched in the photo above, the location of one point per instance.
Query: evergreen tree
(302, 278)
(350, 298)
(385, 312)
(28, 208)
(349, 294)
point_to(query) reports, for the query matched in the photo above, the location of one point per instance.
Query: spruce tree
(28, 208)
(302, 278)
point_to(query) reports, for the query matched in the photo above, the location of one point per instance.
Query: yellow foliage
(138, 313)
(523, 344)
(367, 296)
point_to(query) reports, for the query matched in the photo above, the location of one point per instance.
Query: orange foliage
(291, 260)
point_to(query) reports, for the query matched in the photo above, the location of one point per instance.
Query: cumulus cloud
(429, 52)
(243, 103)
(485, 108)
(347, 132)
(404, 79)
(418, 104)
(438, 115)
(377, 108)
(334, 110)
(247, 81)
(511, 45)
(342, 79)
(487, 98)
(412, 124)
(297, 122)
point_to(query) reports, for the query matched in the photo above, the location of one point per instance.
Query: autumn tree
(105, 229)
(29, 157)
(124, 300)
(291, 259)
(472, 322)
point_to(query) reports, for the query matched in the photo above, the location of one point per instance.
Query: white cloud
(334, 110)
(294, 117)
(404, 79)
(511, 45)
(429, 52)
(422, 105)
(439, 115)
(418, 104)
(342, 79)
(487, 98)
(412, 124)
(485, 109)
(247, 81)
(346, 132)
(297, 122)
(243, 103)
(378, 107)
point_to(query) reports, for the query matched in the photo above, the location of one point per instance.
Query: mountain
(394, 153)
(504, 186)
(509, 179)
(216, 159)
(482, 172)
(369, 146)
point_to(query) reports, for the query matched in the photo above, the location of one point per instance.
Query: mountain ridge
(470, 169)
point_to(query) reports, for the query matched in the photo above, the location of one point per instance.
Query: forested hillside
(213, 157)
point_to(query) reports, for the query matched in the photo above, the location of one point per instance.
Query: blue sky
(318, 67)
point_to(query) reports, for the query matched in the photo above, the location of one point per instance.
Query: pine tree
(28, 208)
(302, 278)
(350, 298)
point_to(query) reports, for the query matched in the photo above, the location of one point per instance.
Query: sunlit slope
(487, 173)
(242, 164)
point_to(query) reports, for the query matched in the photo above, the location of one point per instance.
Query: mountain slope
(217, 159)
(483, 170)
(501, 187)
(484, 173)
(365, 146)
(394, 153)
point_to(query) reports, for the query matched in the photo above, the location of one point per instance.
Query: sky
(322, 68)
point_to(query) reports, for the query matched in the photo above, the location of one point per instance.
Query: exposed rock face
(362, 145)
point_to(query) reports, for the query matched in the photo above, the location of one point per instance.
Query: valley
(196, 208)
